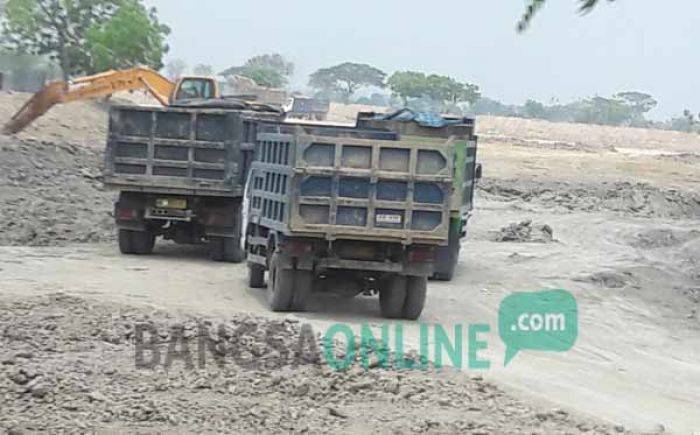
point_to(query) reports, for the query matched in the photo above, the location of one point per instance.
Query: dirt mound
(637, 199)
(69, 364)
(525, 231)
(586, 135)
(662, 238)
(51, 193)
(609, 279)
(80, 123)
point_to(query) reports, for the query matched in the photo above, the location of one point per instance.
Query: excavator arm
(90, 87)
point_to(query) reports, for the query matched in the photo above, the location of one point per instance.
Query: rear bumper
(413, 269)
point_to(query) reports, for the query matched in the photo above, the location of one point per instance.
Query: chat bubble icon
(545, 320)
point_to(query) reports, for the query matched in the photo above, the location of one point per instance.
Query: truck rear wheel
(403, 297)
(303, 283)
(136, 242)
(280, 286)
(392, 297)
(446, 258)
(416, 290)
(226, 249)
(256, 275)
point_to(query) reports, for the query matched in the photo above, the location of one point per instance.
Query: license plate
(389, 219)
(176, 203)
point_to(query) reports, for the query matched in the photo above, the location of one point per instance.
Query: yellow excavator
(108, 83)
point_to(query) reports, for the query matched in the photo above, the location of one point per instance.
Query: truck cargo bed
(353, 187)
(178, 150)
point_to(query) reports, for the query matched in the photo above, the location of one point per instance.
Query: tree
(132, 36)
(55, 28)
(534, 6)
(640, 102)
(270, 70)
(175, 68)
(203, 70)
(443, 90)
(407, 84)
(59, 29)
(347, 78)
(534, 109)
(606, 111)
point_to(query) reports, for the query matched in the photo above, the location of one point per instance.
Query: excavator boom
(84, 88)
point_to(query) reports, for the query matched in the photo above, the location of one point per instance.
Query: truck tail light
(127, 214)
(421, 255)
(296, 247)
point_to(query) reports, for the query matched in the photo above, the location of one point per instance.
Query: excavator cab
(190, 88)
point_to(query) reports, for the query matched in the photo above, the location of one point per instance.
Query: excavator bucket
(36, 106)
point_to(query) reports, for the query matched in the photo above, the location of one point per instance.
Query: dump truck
(368, 209)
(180, 172)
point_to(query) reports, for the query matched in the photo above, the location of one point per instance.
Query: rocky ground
(74, 360)
(50, 193)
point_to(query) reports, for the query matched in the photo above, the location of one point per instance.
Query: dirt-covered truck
(357, 210)
(181, 173)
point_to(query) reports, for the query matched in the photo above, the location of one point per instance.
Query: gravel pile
(636, 199)
(68, 364)
(51, 193)
(525, 231)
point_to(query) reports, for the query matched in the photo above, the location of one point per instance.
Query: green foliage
(407, 84)
(203, 70)
(346, 78)
(270, 70)
(604, 111)
(534, 6)
(624, 108)
(443, 90)
(687, 122)
(59, 29)
(534, 109)
(132, 36)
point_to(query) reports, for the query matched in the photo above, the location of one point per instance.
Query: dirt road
(623, 206)
(635, 359)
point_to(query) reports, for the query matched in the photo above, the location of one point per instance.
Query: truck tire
(280, 286)
(416, 290)
(142, 242)
(226, 249)
(392, 297)
(125, 242)
(256, 275)
(136, 242)
(303, 285)
(447, 257)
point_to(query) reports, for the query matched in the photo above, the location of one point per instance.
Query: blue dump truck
(375, 209)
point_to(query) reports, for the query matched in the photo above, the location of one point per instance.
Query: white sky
(644, 45)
